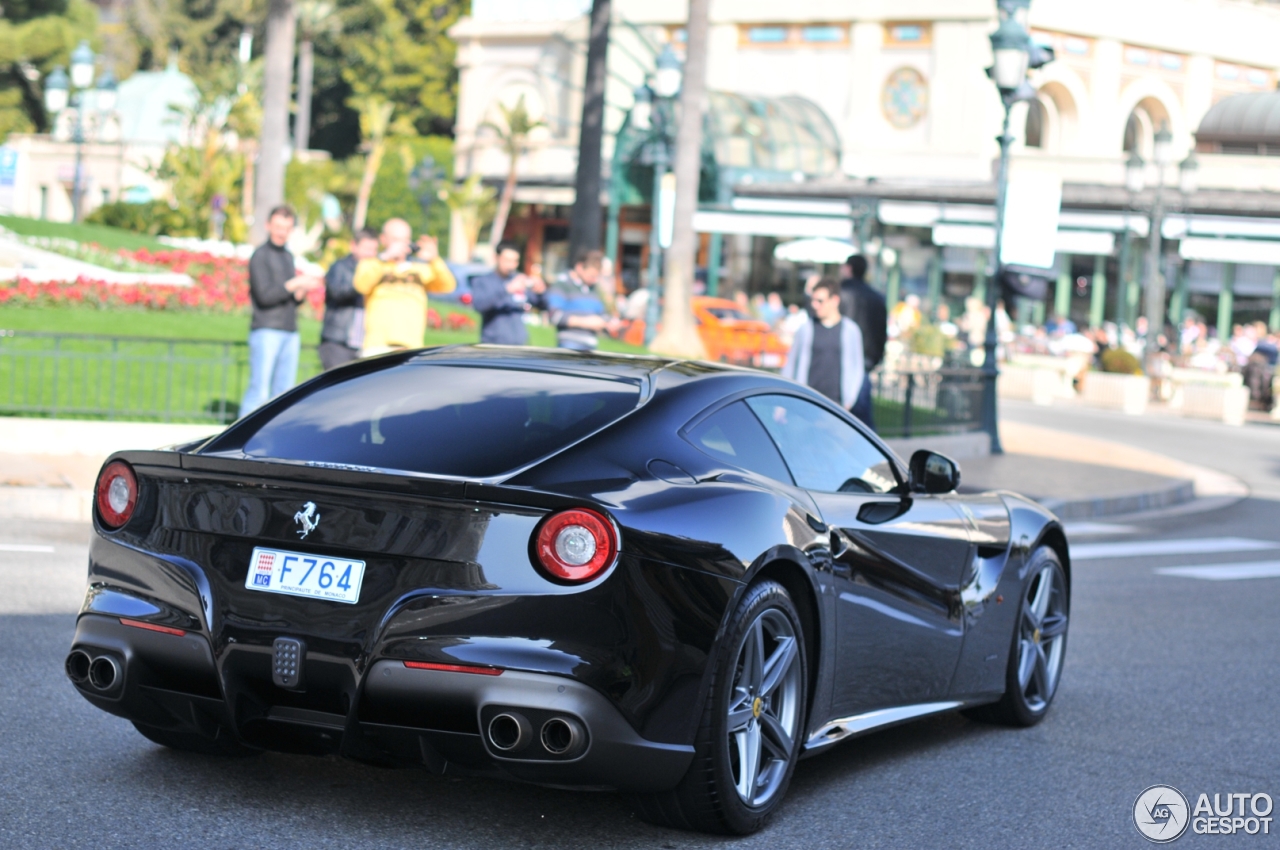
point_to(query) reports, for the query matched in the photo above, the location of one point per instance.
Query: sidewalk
(1075, 476)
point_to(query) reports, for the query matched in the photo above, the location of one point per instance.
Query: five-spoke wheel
(753, 723)
(764, 710)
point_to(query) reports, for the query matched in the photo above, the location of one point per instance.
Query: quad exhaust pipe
(562, 735)
(78, 664)
(511, 732)
(102, 673)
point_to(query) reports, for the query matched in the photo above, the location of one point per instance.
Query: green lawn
(107, 237)
(189, 373)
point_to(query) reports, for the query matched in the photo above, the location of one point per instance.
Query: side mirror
(933, 473)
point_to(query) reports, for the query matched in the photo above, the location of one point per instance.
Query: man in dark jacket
(858, 301)
(343, 332)
(503, 296)
(275, 288)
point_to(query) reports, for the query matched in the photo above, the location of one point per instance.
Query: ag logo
(1161, 814)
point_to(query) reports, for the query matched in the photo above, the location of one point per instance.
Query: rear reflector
(453, 668)
(152, 627)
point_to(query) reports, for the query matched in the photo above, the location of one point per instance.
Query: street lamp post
(1011, 47)
(1155, 280)
(652, 114)
(59, 90)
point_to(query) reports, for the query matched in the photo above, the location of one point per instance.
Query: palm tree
(375, 118)
(315, 18)
(679, 334)
(514, 137)
(277, 81)
(470, 204)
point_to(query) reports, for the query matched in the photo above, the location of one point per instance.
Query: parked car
(728, 334)
(671, 578)
(462, 272)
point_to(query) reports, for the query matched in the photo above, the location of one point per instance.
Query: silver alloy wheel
(764, 708)
(1042, 637)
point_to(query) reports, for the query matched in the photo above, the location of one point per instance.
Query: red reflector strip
(453, 668)
(152, 627)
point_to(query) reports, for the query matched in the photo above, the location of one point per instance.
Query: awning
(827, 251)
(1230, 251)
(764, 224)
(1083, 242)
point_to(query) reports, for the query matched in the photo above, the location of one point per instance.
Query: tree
(375, 118)
(315, 17)
(513, 134)
(35, 36)
(471, 204)
(401, 50)
(584, 225)
(679, 335)
(276, 86)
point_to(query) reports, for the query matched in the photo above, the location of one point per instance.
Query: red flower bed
(219, 284)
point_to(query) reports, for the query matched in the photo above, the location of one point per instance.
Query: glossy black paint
(898, 590)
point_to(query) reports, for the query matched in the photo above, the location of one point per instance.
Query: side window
(823, 452)
(732, 434)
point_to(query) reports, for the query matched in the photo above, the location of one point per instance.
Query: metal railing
(126, 377)
(913, 403)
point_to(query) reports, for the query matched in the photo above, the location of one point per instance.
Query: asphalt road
(1169, 679)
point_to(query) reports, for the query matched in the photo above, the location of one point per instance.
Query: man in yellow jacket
(395, 289)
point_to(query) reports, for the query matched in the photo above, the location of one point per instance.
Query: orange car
(728, 334)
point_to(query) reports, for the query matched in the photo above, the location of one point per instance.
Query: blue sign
(8, 166)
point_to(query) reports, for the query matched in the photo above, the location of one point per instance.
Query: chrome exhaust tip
(78, 663)
(562, 735)
(509, 731)
(104, 672)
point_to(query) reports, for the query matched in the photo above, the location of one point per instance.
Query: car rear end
(302, 585)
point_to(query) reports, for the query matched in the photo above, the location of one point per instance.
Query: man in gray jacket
(826, 354)
(343, 333)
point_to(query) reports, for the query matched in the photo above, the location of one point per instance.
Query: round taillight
(117, 494)
(576, 545)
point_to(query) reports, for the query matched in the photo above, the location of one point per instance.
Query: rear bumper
(171, 681)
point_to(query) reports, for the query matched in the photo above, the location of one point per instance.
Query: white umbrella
(826, 251)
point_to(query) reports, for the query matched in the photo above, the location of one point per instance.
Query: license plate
(296, 574)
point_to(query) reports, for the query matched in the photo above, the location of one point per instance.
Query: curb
(48, 503)
(1179, 493)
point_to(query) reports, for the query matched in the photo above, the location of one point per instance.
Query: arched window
(1035, 129)
(1132, 133)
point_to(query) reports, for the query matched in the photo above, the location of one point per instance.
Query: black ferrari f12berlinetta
(669, 578)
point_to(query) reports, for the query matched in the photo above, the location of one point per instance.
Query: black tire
(223, 745)
(708, 797)
(1043, 635)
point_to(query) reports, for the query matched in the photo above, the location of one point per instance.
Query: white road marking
(1226, 572)
(1143, 548)
(1085, 528)
(24, 547)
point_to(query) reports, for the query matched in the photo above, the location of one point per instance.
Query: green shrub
(929, 340)
(155, 218)
(1120, 362)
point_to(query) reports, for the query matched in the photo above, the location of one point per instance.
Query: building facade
(915, 117)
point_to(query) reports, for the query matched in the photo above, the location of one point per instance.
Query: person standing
(827, 353)
(577, 311)
(343, 333)
(866, 307)
(503, 296)
(275, 288)
(395, 289)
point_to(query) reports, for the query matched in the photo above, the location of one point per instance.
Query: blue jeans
(862, 407)
(273, 366)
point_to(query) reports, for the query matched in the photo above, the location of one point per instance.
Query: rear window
(469, 422)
